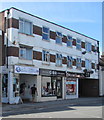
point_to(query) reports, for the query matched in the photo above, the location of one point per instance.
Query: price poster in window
(71, 87)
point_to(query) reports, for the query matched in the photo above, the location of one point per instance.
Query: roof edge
(50, 22)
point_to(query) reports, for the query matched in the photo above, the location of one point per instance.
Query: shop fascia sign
(4, 70)
(51, 72)
(73, 75)
(26, 70)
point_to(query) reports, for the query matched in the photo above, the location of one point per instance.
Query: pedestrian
(33, 92)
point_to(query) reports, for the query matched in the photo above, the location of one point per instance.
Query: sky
(83, 17)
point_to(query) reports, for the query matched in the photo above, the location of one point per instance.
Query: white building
(61, 62)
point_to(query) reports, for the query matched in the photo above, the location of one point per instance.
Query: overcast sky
(83, 17)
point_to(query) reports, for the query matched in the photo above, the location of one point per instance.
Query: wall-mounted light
(14, 42)
(84, 52)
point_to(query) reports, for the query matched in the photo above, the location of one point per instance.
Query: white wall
(38, 44)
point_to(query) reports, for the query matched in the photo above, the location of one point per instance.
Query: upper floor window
(88, 64)
(88, 47)
(59, 38)
(26, 53)
(78, 63)
(69, 61)
(78, 44)
(69, 41)
(59, 59)
(45, 56)
(25, 26)
(45, 33)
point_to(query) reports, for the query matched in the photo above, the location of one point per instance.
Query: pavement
(27, 108)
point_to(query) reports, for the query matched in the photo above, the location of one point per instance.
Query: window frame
(26, 48)
(44, 59)
(77, 43)
(87, 46)
(69, 60)
(46, 33)
(89, 64)
(78, 63)
(69, 40)
(31, 26)
(59, 37)
(59, 59)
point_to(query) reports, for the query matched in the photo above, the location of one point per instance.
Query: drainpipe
(7, 38)
(98, 67)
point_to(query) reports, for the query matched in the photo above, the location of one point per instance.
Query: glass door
(59, 88)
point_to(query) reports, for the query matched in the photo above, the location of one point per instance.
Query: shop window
(48, 86)
(26, 53)
(69, 41)
(78, 44)
(69, 61)
(88, 64)
(15, 87)
(71, 87)
(88, 47)
(45, 34)
(4, 85)
(25, 26)
(58, 59)
(45, 56)
(78, 63)
(59, 38)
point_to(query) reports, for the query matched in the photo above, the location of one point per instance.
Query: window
(59, 59)
(71, 86)
(69, 61)
(88, 64)
(26, 53)
(78, 63)
(25, 26)
(78, 44)
(5, 85)
(69, 41)
(45, 34)
(59, 38)
(45, 56)
(88, 47)
(48, 86)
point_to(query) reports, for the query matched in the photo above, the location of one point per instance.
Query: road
(81, 109)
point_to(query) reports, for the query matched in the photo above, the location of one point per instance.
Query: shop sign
(26, 70)
(51, 72)
(76, 75)
(3, 70)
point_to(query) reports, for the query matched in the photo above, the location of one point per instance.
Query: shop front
(17, 82)
(52, 84)
(25, 78)
(72, 85)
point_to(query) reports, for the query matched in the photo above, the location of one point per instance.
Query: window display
(48, 86)
(71, 87)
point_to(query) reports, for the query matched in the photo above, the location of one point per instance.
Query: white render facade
(32, 69)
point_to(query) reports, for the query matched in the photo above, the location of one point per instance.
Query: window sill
(58, 65)
(70, 46)
(46, 40)
(26, 34)
(45, 63)
(70, 67)
(79, 68)
(59, 44)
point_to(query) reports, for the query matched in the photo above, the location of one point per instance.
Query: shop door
(59, 88)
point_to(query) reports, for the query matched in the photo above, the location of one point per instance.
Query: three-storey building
(61, 62)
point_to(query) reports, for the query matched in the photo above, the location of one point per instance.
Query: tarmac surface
(71, 108)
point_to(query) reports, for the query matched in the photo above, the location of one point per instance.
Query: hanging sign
(26, 70)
